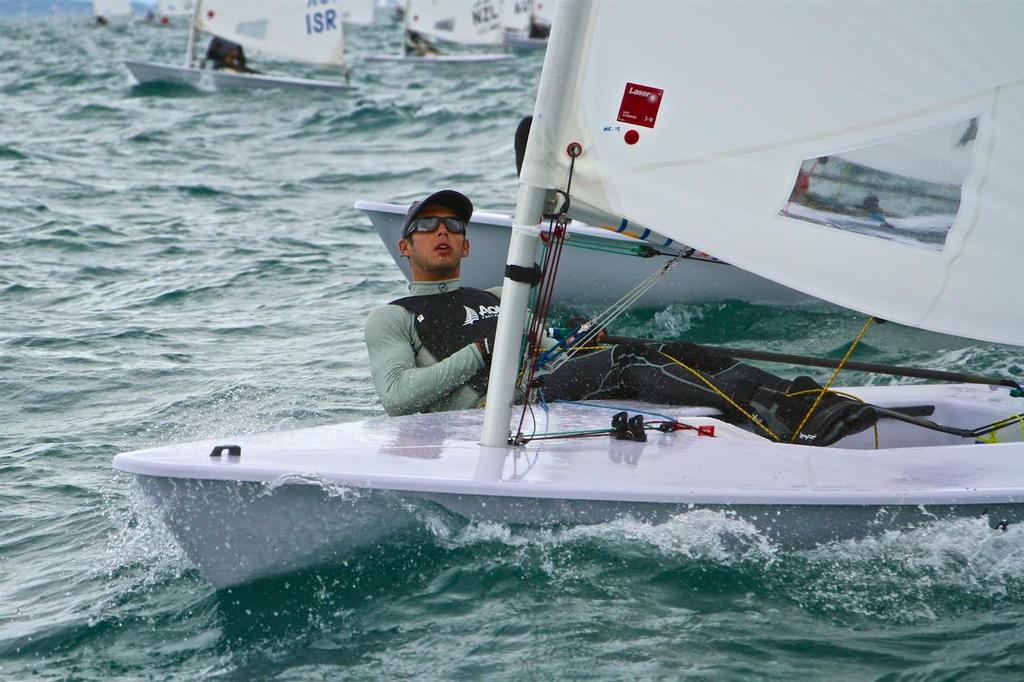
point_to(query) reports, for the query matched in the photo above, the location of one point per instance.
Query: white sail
(515, 15)
(304, 30)
(471, 22)
(697, 118)
(358, 12)
(171, 8)
(111, 8)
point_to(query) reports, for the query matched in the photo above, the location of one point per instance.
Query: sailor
(871, 207)
(538, 29)
(430, 351)
(419, 46)
(224, 54)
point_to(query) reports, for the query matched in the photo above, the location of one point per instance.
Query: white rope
(616, 309)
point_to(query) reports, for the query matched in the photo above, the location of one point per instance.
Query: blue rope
(617, 409)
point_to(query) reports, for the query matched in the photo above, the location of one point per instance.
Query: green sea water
(177, 263)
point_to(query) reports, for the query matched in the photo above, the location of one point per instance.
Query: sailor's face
(436, 255)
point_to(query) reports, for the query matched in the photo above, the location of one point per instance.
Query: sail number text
(318, 22)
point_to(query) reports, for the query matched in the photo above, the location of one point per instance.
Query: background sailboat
(515, 16)
(106, 9)
(596, 267)
(357, 12)
(285, 30)
(166, 9)
(429, 25)
(525, 27)
(673, 147)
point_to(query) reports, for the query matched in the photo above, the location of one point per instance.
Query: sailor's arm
(403, 387)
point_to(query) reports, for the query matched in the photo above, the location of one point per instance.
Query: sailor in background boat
(418, 46)
(537, 29)
(871, 208)
(430, 351)
(227, 55)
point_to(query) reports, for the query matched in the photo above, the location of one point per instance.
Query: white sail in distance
(470, 22)
(171, 8)
(515, 15)
(695, 119)
(358, 12)
(111, 8)
(304, 31)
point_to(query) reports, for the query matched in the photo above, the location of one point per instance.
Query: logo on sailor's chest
(482, 313)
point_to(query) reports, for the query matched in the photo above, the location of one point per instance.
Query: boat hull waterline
(439, 58)
(321, 493)
(151, 72)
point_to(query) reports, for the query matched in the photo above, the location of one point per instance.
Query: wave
(11, 154)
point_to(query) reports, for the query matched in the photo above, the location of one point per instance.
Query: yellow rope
(993, 438)
(729, 400)
(839, 368)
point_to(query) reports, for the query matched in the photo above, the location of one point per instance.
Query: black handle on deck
(230, 450)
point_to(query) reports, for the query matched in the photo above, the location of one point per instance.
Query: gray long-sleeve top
(407, 376)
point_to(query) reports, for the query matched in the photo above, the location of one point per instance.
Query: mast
(405, 29)
(560, 66)
(190, 49)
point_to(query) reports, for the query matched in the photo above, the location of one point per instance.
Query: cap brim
(457, 202)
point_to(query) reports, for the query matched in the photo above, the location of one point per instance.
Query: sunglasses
(430, 224)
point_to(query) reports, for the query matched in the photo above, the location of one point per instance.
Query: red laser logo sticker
(640, 105)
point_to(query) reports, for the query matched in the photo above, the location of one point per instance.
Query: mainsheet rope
(831, 379)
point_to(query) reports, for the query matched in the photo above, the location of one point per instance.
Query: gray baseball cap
(458, 202)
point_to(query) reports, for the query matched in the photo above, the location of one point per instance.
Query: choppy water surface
(176, 263)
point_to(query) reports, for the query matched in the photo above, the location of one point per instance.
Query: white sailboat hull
(152, 72)
(587, 276)
(299, 498)
(439, 58)
(518, 41)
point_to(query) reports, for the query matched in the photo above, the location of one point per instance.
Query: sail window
(906, 190)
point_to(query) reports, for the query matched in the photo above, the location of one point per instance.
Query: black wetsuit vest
(451, 321)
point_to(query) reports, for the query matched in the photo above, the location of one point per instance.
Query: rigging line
(623, 303)
(831, 379)
(545, 286)
(556, 234)
(1001, 424)
(535, 295)
(615, 249)
(540, 297)
(757, 422)
(543, 309)
(527, 343)
(952, 430)
(536, 324)
(600, 321)
(616, 408)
